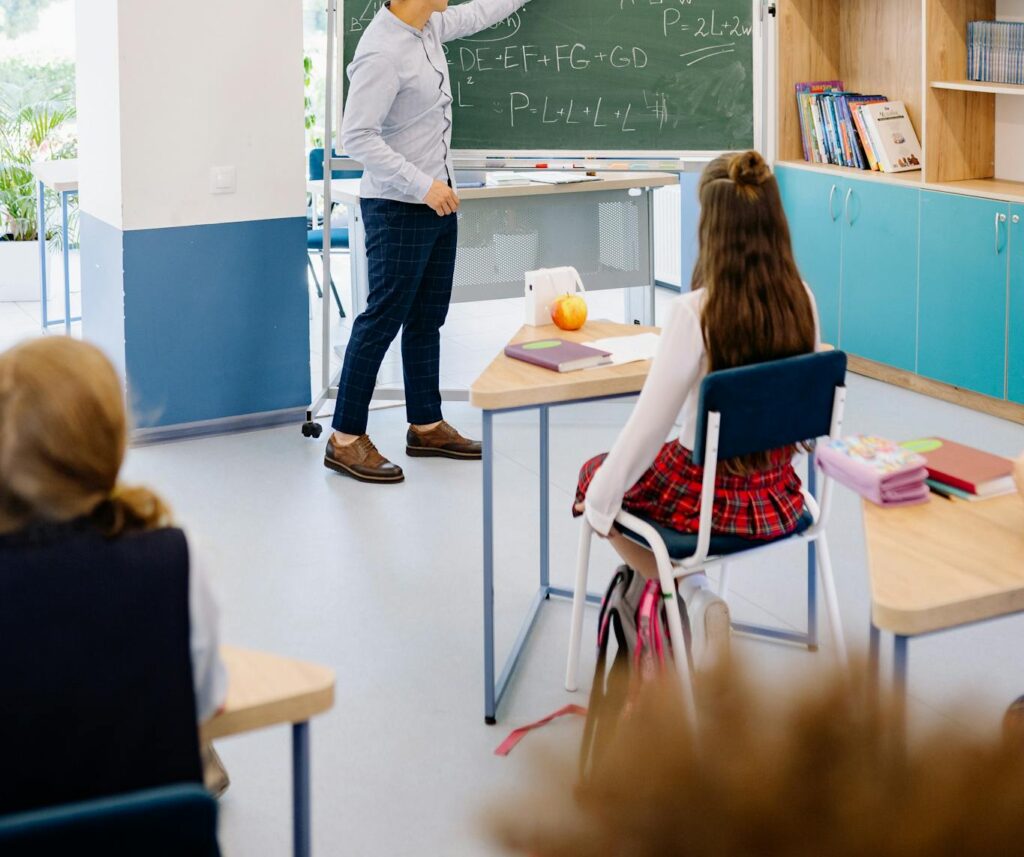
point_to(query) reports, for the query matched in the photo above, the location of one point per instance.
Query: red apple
(569, 312)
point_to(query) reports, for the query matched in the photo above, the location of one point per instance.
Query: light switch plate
(223, 179)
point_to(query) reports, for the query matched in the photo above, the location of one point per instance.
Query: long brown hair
(820, 770)
(756, 307)
(63, 432)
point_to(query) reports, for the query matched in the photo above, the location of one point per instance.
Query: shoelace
(366, 446)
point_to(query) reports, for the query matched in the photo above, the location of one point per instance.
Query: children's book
(963, 467)
(558, 355)
(811, 126)
(878, 469)
(855, 102)
(892, 136)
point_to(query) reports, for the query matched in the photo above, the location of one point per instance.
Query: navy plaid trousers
(410, 256)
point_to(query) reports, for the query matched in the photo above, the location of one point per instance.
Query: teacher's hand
(442, 199)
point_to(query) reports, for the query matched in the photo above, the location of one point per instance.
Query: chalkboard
(591, 76)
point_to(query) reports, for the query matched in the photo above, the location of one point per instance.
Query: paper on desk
(628, 349)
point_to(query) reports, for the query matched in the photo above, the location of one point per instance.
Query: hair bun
(749, 168)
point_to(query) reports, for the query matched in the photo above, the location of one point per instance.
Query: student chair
(315, 234)
(741, 411)
(166, 822)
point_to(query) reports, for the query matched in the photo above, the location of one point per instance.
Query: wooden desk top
(347, 190)
(945, 563)
(265, 690)
(57, 175)
(509, 383)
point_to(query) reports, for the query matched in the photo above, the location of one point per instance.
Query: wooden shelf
(999, 189)
(913, 178)
(979, 86)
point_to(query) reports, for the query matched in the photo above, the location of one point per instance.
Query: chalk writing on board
(594, 74)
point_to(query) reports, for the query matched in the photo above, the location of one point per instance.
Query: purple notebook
(558, 355)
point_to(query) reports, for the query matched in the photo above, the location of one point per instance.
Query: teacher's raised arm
(457, 22)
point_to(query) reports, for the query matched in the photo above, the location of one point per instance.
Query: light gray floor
(383, 584)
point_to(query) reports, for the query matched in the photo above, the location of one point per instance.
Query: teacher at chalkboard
(398, 123)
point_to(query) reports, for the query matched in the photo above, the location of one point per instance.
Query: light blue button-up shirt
(398, 116)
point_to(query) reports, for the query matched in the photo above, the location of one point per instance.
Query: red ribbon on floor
(517, 735)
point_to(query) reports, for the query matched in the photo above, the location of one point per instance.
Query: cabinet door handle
(832, 196)
(1016, 218)
(849, 219)
(1000, 218)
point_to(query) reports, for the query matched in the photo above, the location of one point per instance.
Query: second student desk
(507, 386)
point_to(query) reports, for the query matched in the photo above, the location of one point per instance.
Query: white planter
(19, 271)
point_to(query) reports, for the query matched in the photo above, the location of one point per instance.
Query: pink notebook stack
(879, 470)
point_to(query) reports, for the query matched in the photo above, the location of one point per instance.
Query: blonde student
(748, 304)
(111, 638)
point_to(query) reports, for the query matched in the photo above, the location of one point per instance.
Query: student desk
(62, 178)
(509, 385)
(942, 565)
(267, 690)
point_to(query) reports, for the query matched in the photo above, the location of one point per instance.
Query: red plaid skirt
(762, 505)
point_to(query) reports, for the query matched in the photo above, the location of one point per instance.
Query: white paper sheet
(628, 349)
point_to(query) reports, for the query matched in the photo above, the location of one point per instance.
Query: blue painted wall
(216, 320)
(206, 322)
(689, 224)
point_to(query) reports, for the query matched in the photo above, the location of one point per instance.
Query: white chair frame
(669, 570)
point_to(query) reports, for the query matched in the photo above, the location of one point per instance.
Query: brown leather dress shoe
(442, 441)
(361, 461)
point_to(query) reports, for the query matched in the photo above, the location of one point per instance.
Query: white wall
(192, 95)
(1010, 112)
(99, 120)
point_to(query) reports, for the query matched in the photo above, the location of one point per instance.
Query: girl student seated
(110, 649)
(747, 305)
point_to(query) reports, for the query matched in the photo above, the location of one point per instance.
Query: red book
(558, 355)
(964, 467)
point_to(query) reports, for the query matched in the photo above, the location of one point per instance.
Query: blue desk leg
(65, 240)
(41, 224)
(301, 830)
(545, 501)
(812, 567)
(490, 702)
(900, 668)
(873, 649)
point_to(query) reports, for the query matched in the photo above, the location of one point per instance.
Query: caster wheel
(312, 429)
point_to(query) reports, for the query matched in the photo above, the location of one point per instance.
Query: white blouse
(679, 366)
(209, 676)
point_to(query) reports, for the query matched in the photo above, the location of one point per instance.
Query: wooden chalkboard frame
(759, 16)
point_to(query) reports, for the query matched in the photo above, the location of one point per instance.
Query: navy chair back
(167, 822)
(770, 405)
(316, 168)
(96, 666)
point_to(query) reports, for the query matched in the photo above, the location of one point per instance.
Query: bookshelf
(979, 86)
(918, 276)
(914, 51)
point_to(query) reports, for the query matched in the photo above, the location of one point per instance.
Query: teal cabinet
(813, 203)
(878, 291)
(1015, 347)
(962, 293)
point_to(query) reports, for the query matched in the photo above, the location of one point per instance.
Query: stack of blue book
(995, 51)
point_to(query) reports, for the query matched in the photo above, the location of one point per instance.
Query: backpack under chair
(634, 612)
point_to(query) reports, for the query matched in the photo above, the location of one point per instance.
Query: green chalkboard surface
(592, 76)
